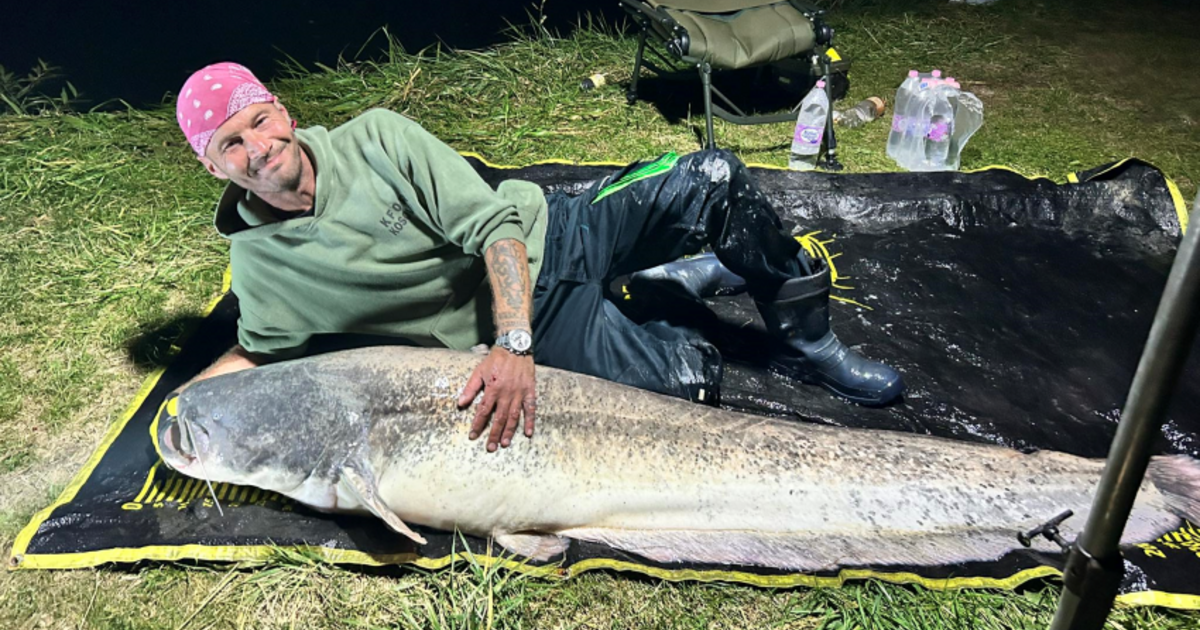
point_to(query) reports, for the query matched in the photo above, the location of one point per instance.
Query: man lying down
(377, 227)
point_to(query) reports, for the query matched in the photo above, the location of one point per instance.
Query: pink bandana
(211, 96)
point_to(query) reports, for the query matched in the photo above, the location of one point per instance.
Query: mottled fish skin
(662, 477)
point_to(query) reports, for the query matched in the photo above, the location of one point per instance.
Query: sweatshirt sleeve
(270, 343)
(456, 199)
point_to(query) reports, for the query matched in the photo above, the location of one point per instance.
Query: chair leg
(831, 159)
(706, 79)
(631, 95)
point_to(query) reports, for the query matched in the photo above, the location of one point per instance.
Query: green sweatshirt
(393, 246)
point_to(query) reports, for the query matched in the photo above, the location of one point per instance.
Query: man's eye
(260, 122)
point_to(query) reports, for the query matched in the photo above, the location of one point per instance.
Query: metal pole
(831, 160)
(1094, 566)
(706, 79)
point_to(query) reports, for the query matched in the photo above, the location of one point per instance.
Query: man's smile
(270, 163)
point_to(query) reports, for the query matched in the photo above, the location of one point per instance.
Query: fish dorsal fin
(363, 490)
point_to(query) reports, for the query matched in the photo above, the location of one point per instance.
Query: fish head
(271, 431)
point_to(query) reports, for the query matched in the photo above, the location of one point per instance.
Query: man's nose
(257, 145)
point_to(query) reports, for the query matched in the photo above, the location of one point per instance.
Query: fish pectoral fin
(364, 491)
(539, 547)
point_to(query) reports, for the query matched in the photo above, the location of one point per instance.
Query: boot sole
(866, 401)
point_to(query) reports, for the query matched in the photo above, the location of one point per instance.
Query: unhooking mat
(1016, 309)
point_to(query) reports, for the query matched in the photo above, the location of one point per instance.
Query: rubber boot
(695, 278)
(810, 352)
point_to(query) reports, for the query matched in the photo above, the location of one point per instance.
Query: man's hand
(236, 359)
(506, 379)
(509, 390)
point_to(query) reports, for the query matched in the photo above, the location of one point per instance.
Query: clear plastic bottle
(810, 129)
(968, 118)
(863, 112)
(899, 111)
(910, 152)
(908, 126)
(910, 146)
(944, 118)
(941, 125)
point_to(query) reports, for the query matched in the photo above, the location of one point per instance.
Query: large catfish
(378, 430)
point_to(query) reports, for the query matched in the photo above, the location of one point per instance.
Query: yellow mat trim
(18, 558)
(510, 167)
(262, 554)
(1181, 209)
(1001, 167)
(1159, 598)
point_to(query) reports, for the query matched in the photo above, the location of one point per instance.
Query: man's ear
(211, 168)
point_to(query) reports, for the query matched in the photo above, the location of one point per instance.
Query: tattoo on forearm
(508, 267)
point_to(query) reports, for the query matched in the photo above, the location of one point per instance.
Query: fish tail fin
(1178, 478)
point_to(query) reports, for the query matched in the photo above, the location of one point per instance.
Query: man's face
(257, 150)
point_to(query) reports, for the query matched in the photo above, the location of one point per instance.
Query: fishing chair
(732, 35)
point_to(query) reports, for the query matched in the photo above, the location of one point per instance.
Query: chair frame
(648, 18)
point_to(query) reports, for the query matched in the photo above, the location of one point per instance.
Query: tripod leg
(632, 94)
(831, 161)
(706, 78)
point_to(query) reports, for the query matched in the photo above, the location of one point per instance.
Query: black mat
(1015, 307)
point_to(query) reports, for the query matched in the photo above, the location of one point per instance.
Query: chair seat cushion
(709, 6)
(744, 38)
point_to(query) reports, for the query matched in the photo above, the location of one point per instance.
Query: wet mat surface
(1015, 308)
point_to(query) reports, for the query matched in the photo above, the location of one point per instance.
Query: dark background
(138, 50)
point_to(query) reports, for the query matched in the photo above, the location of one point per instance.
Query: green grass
(106, 240)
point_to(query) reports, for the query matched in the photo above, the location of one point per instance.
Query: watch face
(520, 340)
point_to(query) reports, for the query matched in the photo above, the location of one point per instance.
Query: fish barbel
(378, 430)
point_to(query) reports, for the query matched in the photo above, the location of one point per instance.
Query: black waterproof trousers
(644, 215)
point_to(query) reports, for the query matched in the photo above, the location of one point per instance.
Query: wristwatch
(516, 341)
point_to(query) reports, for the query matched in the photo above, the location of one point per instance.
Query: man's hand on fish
(506, 374)
(509, 391)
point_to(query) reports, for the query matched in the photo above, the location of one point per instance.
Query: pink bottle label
(939, 131)
(808, 135)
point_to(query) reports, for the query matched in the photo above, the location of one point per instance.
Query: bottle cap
(937, 74)
(914, 74)
(821, 84)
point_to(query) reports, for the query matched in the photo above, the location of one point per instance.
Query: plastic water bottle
(968, 118)
(862, 113)
(899, 109)
(941, 126)
(910, 147)
(906, 126)
(940, 118)
(810, 129)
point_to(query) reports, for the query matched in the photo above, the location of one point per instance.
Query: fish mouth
(176, 446)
